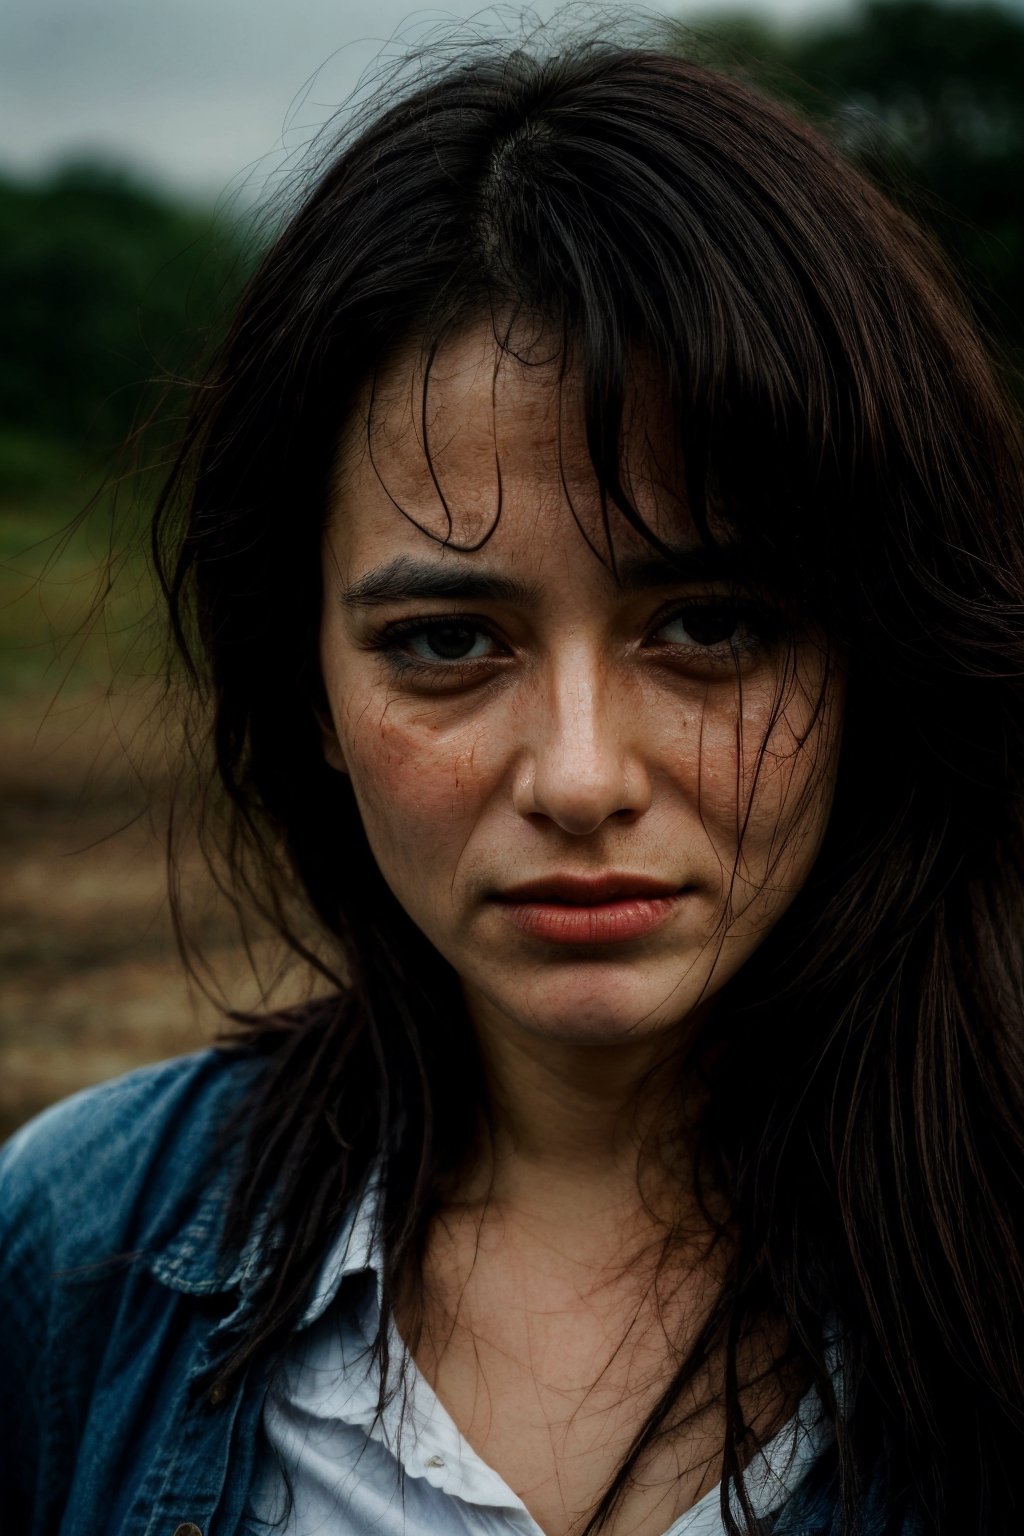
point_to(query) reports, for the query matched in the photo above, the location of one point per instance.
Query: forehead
(484, 439)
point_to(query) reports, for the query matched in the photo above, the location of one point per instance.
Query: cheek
(764, 781)
(419, 791)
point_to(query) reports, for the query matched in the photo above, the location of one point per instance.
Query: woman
(599, 547)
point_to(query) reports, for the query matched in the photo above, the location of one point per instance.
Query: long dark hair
(865, 1089)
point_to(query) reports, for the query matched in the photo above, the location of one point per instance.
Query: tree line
(111, 286)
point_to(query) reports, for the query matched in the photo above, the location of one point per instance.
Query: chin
(606, 1010)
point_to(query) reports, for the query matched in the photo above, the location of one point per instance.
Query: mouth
(599, 909)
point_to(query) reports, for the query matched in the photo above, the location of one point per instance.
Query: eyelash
(390, 637)
(762, 627)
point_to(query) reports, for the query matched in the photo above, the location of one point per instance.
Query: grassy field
(91, 983)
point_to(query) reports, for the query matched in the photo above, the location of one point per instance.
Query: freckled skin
(579, 744)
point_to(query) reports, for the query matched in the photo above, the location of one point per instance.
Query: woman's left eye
(706, 626)
(448, 641)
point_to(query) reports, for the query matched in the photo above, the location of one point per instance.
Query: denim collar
(191, 1260)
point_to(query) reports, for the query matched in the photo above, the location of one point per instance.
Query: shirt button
(431, 1461)
(188, 1529)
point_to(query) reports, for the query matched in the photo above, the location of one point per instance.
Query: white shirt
(411, 1472)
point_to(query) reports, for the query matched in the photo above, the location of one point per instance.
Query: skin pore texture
(661, 758)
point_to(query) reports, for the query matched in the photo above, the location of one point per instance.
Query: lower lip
(607, 922)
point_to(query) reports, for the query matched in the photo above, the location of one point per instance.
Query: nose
(580, 765)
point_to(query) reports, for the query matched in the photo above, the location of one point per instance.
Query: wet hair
(864, 1071)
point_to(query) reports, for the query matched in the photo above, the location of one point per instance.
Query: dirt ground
(91, 980)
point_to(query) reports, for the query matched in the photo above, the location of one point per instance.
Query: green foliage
(927, 97)
(108, 290)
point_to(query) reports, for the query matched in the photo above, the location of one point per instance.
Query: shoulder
(94, 1193)
(108, 1168)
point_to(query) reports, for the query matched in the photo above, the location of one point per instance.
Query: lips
(590, 909)
(589, 890)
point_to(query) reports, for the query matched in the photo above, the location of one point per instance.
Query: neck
(575, 1122)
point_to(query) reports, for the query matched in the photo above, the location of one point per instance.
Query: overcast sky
(214, 95)
(219, 95)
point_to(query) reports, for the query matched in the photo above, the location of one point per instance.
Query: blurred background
(141, 147)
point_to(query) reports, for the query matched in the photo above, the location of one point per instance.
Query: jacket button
(188, 1529)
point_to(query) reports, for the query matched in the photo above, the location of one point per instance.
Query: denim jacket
(113, 1302)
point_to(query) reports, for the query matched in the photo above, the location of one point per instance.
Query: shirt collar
(355, 1250)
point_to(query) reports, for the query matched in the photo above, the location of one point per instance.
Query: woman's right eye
(447, 641)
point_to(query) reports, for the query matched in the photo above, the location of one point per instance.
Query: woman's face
(594, 796)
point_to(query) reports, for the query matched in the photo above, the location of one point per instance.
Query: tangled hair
(865, 1068)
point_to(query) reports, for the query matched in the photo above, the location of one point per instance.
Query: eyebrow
(404, 579)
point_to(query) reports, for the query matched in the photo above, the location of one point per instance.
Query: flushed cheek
(420, 791)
